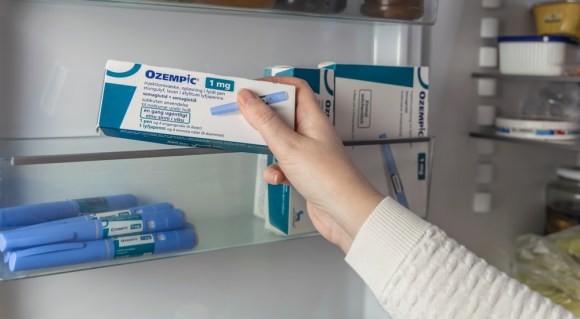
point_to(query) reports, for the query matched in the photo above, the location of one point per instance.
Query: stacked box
(365, 102)
(188, 108)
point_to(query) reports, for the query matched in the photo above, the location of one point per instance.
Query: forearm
(416, 271)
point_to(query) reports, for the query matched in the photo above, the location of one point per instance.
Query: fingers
(306, 102)
(264, 119)
(310, 119)
(274, 175)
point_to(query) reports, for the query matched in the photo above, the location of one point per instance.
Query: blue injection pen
(103, 215)
(38, 213)
(393, 173)
(233, 107)
(64, 254)
(146, 222)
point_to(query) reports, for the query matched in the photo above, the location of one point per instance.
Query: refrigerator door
(54, 54)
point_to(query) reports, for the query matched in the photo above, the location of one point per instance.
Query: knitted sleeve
(416, 271)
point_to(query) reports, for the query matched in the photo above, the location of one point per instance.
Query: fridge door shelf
(497, 75)
(573, 145)
(213, 234)
(17, 152)
(350, 10)
(227, 221)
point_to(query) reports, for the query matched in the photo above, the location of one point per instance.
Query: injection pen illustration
(233, 107)
(393, 173)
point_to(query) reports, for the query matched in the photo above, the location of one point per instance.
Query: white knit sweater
(416, 271)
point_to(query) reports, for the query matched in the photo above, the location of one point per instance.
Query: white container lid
(535, 124)
(535, 38)
(537, 129)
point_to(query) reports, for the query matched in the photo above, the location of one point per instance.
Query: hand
(313, 160)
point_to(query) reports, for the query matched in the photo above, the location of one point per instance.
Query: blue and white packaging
(186, 108)
(371, 100)
(364, 103)
(377, 102)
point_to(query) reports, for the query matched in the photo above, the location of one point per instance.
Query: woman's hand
(313, 160)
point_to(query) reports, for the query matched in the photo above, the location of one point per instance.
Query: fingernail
(274, 178)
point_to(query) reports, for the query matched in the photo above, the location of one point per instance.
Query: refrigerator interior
(520, 171)
(56, 56)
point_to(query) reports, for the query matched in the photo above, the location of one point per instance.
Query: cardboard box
(373, 100)
(366, 103)
(281, 206)
(187, 108)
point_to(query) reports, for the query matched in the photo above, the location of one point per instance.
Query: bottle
(312, 6)
(563, 200)
(393, 9)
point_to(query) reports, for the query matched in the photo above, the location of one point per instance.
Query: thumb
(265, 120)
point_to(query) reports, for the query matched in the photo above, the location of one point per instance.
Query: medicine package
(187, 108)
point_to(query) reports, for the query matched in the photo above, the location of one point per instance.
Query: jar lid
(536, 38)
(572, 173)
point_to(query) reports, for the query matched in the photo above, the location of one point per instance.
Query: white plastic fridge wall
(520, 171)
(54, 54)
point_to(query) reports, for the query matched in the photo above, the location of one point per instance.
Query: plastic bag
(552, 102)
(551, 266)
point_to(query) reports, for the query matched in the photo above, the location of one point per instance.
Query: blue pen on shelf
(393, 173)
(103, 215)
(233, 107)
(38, 213)
(64, 254)
(93, 229)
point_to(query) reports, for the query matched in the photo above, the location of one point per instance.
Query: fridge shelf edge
(16, 160)
(252, 228)
(490, 135)
(428, 19)
(498, 75)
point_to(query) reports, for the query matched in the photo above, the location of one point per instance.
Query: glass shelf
(498, 75)
(350, 10)
(17, 152)
(490, 134)
(213, 233)
(29, 151)
(219, 224)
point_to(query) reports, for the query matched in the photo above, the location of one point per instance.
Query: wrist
(371, 201)
(361, 206)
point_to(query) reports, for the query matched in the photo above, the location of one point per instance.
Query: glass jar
(563, 200)
(393, 9)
